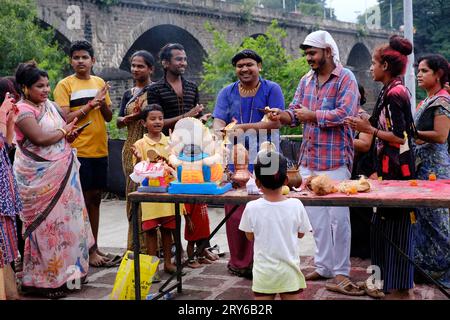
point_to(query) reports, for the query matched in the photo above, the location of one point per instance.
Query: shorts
(93, 173)
(164, 222)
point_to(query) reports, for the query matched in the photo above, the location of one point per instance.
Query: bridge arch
(155, 38)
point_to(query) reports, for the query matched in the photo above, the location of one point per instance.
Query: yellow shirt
(153, 210)
(75, 93)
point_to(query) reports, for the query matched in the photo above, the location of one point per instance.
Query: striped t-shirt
(75, 93)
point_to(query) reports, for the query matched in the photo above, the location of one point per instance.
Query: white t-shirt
(276, 259)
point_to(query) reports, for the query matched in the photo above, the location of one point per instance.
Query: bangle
(63, 131)
(82, 111)
(376, 133)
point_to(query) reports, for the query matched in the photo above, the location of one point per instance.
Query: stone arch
(359, 57)
(156, 36)
(60, 38)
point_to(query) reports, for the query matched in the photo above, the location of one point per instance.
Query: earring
(260, 70)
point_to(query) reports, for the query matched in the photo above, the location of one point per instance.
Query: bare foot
(400, 295)
(210, 255)
(194, 264)
(204, 260)
(95, 260)
(170, 268)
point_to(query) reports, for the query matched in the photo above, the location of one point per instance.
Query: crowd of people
(53, 158)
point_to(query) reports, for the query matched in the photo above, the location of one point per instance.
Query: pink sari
(57, 231)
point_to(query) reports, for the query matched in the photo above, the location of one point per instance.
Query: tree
(22, 39)
(278, 65)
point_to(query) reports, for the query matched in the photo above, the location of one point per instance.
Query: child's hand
(137, 154)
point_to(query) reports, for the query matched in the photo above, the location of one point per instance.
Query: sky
(348, 10)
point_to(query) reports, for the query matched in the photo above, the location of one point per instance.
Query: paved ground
(210, 282)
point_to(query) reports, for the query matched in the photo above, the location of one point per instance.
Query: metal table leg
(136, 246)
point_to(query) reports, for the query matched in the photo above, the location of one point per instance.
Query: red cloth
(164, 222)
(199, 216)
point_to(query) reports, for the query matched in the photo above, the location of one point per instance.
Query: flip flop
(345, 287)
(216, 249)
(114, 260)
(372, 291)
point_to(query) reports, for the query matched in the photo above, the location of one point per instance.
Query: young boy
(86, 97)
(155, 215)
(275, 223)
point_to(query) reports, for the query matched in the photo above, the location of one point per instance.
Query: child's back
(276, 225)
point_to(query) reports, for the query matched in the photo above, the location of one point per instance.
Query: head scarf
(322, 39)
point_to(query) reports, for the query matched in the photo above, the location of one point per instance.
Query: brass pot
(294, 177)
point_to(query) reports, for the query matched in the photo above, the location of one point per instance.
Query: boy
(155, 215)
(275, 223)
(86, 97)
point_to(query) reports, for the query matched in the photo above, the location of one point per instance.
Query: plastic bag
(124, 284)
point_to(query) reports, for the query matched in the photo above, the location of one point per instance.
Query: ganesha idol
(197, 157)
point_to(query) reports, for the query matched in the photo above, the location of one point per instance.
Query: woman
(244, 101)
(432, 120)
(362, 165)
(133, 101)
(57, 232)
(10, 204)
(391, 124)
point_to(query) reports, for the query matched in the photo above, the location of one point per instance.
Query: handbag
(124, 284)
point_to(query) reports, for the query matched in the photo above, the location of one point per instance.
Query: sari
(432, 228)
(56, 226)
(135, 131)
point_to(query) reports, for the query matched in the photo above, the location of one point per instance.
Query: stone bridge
(117, 31)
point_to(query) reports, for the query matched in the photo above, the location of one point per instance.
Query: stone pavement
(211, 282)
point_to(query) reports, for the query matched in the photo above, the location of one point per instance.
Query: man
(86, 97)
(325, 96)
(177, 96)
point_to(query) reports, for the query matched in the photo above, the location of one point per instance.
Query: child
(275, 222)
(155, 215)
(10, 204)
(86, 97)
(196, 232)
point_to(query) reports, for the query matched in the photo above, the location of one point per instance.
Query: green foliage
(22, 39)
(106, 3)
(113, 131)
(278, 65)
(431, 20)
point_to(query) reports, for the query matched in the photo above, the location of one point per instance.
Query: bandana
(322, 39)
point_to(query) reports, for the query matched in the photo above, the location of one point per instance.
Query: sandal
(345, 287)
(194, 264)
(370, 290)
(243, 273)
(204, 260)
(216, 250)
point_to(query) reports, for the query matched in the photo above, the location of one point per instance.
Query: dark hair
(147, 56)
(28, 74)
(81, 45)
(245, 54)
(8, 84)
(395, 54)
(271, 169)
(166, 52)
(151, 107)
(437, 62)
(362, 95)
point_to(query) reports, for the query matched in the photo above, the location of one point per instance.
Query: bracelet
(63, 131)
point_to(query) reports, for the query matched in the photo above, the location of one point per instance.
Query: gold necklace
(248, 92)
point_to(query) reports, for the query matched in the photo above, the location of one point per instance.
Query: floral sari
(56, 230)
(432, 228)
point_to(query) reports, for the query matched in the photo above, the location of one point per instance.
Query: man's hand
(358, 124)
(195, 111)
(100, 96)
(274, 114)
(305, 115)
(205, 117)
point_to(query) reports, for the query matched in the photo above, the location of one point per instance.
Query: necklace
(37, 106)
(248, 92)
